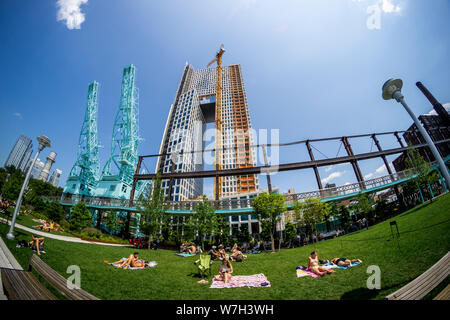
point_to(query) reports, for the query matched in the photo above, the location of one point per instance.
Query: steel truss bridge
(243, 206)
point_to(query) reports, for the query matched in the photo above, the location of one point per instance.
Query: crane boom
(218, 122)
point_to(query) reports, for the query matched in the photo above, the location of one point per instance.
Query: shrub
(80, 217)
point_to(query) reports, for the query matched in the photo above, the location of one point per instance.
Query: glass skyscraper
(20, 153)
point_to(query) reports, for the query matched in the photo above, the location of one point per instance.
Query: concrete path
(61, 238)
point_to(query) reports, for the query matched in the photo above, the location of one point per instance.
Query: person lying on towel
(343, 262)
(225, 271)
(132, 261)
(237, 255)
(37, 244)
(313, 265)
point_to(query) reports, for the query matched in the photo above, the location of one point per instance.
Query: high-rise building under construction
(193, 107)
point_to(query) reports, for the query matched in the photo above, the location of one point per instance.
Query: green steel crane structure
(84, 175)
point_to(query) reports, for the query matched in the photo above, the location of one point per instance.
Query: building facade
(20, 153)
(192, 109)
(37, 169)
(54, 178)
(437, 128)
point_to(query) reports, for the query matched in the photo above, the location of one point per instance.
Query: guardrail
(233, 204)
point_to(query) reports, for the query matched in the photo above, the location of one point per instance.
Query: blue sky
(312, 69)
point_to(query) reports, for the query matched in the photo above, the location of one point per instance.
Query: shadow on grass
(369, 294)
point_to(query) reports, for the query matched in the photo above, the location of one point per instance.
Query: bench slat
(58, 281)
(444, 294)
(423, 284)
(22, 285)
(419, 287)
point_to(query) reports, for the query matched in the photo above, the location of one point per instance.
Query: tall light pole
(44, 142)
(392, 90)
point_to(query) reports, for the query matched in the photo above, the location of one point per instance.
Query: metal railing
(233, 204)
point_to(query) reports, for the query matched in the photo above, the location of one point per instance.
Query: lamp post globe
(392, 90)
(44, 142)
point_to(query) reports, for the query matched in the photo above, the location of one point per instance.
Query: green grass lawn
(26, 220)
(174, 277)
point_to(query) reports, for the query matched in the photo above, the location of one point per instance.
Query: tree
(311, 212)
(364, 206)
(269, 208)
(244, 234)
(291, 232)
(343, 216)
(422, 169)
(11, 187)
(54, 211)
(204, 219)
(222, 229)
(80, 217)
(112, 221)
(153, 212)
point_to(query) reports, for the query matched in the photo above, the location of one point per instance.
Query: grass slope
(174, 277)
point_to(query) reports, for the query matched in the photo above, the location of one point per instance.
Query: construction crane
(218, 121)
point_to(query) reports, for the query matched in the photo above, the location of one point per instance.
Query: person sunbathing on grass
(37, 244)
(132, 261)
(343, 262)
(313, 265)
(225, 271)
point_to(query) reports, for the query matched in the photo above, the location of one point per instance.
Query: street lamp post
(392, 90)
(44, 142)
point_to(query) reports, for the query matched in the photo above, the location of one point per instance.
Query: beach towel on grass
(347, 267)
(256, 280)
(184, 255)
(303, 271)
(150, 265)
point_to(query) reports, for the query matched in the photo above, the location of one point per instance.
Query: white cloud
(368, 176)
(332, 176)
(70, 12)
(17, 114)
(388, 7)
(445, 105)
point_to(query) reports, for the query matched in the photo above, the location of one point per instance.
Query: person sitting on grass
(214, 253)
(314, 267)
(344, 262)
(225, 271)
(192, 249)
(222, 252)
(183, 247)
(132, 261)
(37, 244)
(237, 255)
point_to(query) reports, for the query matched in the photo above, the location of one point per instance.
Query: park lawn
(26, 220)
(174, 277)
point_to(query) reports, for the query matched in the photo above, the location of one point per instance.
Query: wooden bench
(423, 284)
(444, 295)
(23, 285)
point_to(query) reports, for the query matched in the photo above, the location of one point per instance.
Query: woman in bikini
(343, 262)
(313, 265)
(132, 261)
(225, 271)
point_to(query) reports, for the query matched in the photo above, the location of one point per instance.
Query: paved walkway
(61, 238)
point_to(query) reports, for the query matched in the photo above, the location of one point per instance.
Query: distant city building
(38, 166)
(48, 164)
(20, 153)
(437, 127)
(330, 185)
(54, 178)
